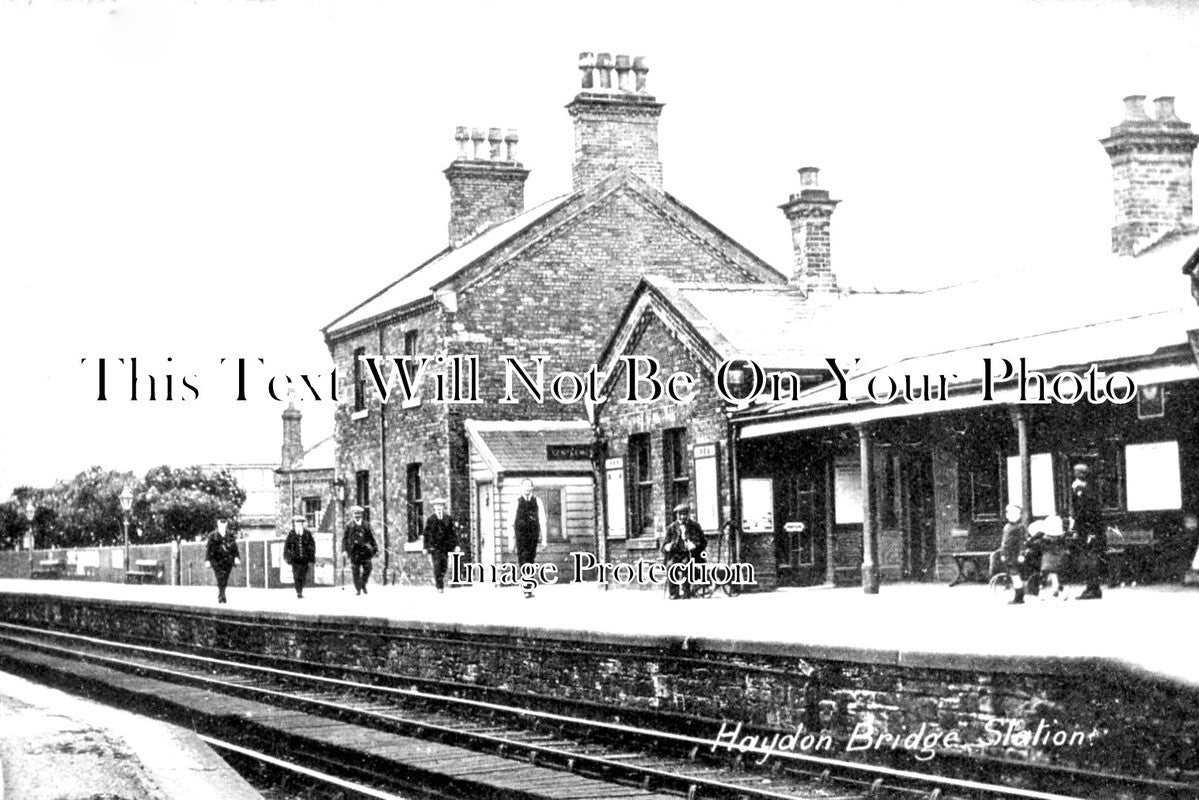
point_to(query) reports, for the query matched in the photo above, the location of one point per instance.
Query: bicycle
(710, 589)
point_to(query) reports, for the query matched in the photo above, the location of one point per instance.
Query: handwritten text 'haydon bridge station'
(456, 379)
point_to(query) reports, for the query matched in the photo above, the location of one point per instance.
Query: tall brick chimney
(293, 448)
(810, 213)
(487, 183)
(616, 120)
(1151, 169)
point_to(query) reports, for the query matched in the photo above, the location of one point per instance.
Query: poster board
(614, 482)
(707, 489)
(757, 505)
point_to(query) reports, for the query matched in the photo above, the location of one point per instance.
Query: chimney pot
(623, 65)
(808, 177)
(587, 67)
(511, 138)
(640, 70)
(496, 140)
(478, 137)
(603, 63)
(1164, 110)
(1134, 108)
(462, 137)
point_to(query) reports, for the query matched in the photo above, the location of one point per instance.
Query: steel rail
(819, 762)
(307, 772)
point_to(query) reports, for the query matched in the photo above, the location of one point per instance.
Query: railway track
(626, 758)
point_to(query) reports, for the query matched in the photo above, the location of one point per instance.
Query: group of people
(1043, 549)
(358, 543)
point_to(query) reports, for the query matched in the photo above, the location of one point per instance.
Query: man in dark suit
(222, 555)
(360, 547)
(528, 523)
(1090, 535)
(300, 552)
(685, 542)
(440, 540)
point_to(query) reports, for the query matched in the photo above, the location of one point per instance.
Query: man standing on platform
(222, 555)
(685, 542)
(360, 547)
(1090, 536)
(440, 540)
(528, 521)
(300, 552)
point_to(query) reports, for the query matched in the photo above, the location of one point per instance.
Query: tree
(88, 509)
(186, 502)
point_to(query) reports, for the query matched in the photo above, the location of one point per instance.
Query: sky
(185, 182)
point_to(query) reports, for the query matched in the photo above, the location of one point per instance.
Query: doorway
(799, 536)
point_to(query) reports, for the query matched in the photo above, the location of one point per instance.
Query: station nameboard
(568, 452)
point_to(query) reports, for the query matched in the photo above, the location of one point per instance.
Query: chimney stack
(810, 212)
(487, 182)
(293, 448)
(616, 120)
(1151, 169)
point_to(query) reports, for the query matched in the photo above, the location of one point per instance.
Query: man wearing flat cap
(300, 552)
(685, 542)
(360, 548)
(1090, 534)
(440, 539)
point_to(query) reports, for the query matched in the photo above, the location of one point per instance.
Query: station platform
(933, 626)
(57, 745)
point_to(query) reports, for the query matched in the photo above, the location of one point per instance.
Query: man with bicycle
(685, 542)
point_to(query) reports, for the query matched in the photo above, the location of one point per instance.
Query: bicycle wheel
(1001, 583)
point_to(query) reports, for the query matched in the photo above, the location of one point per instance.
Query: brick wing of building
(548, 281)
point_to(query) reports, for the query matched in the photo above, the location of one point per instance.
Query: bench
(144, 570)
(48, 569)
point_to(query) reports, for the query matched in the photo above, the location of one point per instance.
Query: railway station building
(547, 281)
(944, 405)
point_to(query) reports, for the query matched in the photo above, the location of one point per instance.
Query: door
(485, 510)
(799, 537)
(920, 524)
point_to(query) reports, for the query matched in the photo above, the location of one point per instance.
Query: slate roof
(1055, 316)
(418, 283)
(519, 447)
(449, 264)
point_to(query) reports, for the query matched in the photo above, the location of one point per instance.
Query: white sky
(209, 179)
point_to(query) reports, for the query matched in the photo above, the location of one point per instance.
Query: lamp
(339, 490)
(126, 507)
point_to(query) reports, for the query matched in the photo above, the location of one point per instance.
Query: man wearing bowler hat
(440, 540)
(685, 542)
(360, 547)
(300, 552)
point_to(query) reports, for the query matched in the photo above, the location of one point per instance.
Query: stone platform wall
(1129, 724)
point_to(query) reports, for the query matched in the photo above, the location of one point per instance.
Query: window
(1107, 473)
(847, 490)
(887, 473)
(362, 493)
(312, 512)
(641, 486)
(410, 341)
(675, 469)
(550, 498)
(359, 382)
(416, 505)
(979, 482)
